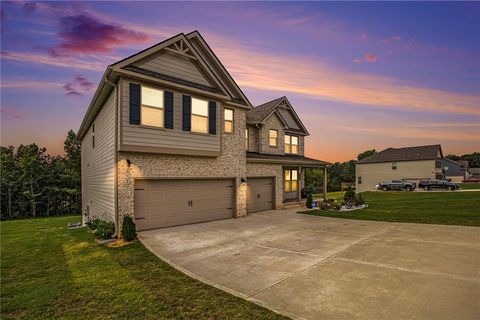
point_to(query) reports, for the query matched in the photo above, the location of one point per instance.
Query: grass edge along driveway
(50, 272)
(451, 208)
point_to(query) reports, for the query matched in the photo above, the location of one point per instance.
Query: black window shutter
(187, 113)
(168, 103)
(212, 117)
(134, 103)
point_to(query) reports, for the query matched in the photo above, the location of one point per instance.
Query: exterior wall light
(129, 162)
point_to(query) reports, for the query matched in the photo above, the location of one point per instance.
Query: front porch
(290, 174)
(294, 182)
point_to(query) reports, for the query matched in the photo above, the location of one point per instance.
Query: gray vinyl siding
(211, 63)
(98, 164)
(171, 139)
(174, 65)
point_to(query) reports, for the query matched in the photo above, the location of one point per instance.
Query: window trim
(289, 181)
(270, 137)
(225, 120)
(162, 126)
(199, 115)
(290, 144)
(247, 138)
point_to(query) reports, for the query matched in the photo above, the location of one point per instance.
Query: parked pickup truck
(396, 185)
(437, 184)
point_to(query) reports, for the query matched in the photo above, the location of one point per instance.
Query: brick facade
(231, 164)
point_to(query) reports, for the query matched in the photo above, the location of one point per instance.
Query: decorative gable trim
(242, 100)
(178, 44)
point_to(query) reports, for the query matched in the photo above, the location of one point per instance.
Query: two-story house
(169, 138)
(410, 164)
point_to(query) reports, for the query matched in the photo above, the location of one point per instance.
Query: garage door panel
(164, 203)
(260, 194)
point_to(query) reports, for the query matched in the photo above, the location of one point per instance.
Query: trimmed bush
(105, 230)
(309, 201)
(128, 229)
(349, 195)
(93, 224)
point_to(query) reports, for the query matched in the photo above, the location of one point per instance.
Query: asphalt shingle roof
(259, 113)
(404, 154)
(286, 157)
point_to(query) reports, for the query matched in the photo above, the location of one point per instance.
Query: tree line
(35, 184)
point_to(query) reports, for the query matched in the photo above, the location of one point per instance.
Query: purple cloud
(12, 113)
(78, 85)
(84, 33)
(29, 7)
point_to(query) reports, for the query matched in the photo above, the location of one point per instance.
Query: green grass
(50, 272)
(336, 195)
(469, 185)
(455, 208)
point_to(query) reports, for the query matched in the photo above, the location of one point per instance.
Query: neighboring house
(411, 164)
(169, 138)
(455, 171)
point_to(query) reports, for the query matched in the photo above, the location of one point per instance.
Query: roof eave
(94, 104)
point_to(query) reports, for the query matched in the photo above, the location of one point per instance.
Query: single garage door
(259, 194)
(165, 203)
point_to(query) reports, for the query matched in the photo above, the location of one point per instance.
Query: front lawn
(469, 185)
(456, 208)
(50, 272)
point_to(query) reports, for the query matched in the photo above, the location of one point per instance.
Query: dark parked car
(437, 184)
(396, 185)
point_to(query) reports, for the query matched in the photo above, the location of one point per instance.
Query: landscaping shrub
(128, 229)
(105, 230)
(93, 224)
(330, 204)
(349, 195)
(309, 201)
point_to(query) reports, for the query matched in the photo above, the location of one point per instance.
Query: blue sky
(361, 75)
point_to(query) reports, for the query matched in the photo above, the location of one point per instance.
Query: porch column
(299, 184)
(325, 182)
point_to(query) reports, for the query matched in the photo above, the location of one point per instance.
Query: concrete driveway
(315, 267)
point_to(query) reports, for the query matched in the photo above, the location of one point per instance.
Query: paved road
(310, 267)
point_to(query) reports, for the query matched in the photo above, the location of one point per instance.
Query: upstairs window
(228, 120)
(199, 115)
(291, 180)
(246, 138)
(152, 109)
(359, 179)
(438, 164)
(273, 138)
(291, 144)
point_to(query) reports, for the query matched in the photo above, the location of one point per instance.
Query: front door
(290, 185)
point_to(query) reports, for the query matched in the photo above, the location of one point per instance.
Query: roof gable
(174, 60)
(282, 107)
(229, 84)
(430, 152)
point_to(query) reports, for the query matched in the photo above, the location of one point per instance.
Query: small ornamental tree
(349, 195)
(309, 201)
(128, 229)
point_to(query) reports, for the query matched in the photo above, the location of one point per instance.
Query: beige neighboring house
(170, 139)
(411, 164)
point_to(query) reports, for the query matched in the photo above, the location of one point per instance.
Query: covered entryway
(170, 202)
(260, 194)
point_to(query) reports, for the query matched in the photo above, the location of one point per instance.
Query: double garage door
(166, 202)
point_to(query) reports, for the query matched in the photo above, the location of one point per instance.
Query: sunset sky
(360, 75)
